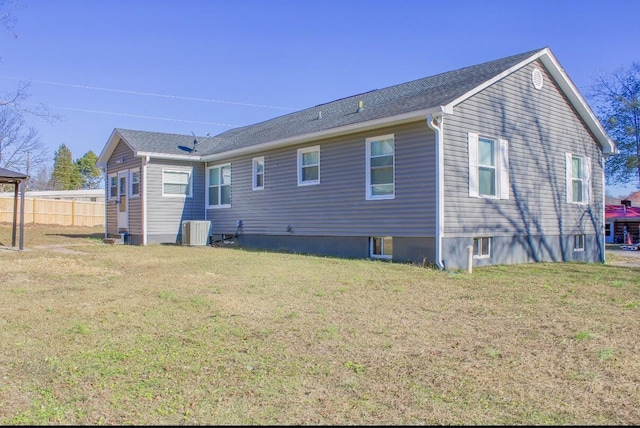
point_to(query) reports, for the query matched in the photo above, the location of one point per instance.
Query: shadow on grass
(78, 235)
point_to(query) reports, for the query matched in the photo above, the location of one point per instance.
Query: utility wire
(139, 116)
(149, 94)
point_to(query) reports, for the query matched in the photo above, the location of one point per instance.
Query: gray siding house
(497, 163)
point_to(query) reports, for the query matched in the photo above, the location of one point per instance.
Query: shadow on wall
(527, 214)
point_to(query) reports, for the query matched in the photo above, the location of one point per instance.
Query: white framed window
(176, 183)
(113, 186)
(219, 186)
(488, 167)
(578, 179)
(309, 166)
(380, 155)
(482, 248)
(381, 247)
(578, 242)
(258, 173)
(135, 182)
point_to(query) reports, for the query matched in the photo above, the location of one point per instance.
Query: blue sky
(205, 66)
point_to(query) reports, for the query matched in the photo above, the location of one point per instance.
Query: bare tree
(20, 146)
(7, 18)
(617, 98)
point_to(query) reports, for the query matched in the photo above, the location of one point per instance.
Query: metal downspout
(106, 201)
(435, 122)
(603, 257)
(143, 176)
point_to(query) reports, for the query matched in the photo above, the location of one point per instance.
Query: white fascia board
(108, 149)
(168, 156)
(333, 132)
(564, 81)
(567, 86)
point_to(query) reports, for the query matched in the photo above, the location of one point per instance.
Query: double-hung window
(113, 186)
(135, 182)
(578, 179)
(380, 180)
(219, 185)
(176, 183)
(488, 167)
(258, 173)
(309, 166)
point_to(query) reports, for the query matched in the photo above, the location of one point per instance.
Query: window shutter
(569, 185)
(473, 165)
(504, 169)
(586, 188)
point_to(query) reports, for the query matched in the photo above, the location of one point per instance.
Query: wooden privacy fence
(55, 211)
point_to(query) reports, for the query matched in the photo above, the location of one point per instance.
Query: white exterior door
(123, 201)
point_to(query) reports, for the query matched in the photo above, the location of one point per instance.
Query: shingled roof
(421, 95)
(11, 177)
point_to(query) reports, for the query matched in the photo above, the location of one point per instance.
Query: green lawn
(110, 334)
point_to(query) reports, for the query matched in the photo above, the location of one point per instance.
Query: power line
(140, 116)
(149, 94)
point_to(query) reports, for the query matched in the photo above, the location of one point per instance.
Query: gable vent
(536, 78)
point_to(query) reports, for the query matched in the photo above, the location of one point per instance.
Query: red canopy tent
(18, 180)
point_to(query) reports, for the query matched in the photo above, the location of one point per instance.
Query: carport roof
(11, 177)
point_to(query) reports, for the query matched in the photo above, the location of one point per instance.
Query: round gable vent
(536, 78)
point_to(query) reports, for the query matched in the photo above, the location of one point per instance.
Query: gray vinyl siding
(336, 207)
(166, 213)
(123, 152)
(536, 220)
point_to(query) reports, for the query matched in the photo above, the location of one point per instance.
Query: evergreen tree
(65, 175)
(91, 174)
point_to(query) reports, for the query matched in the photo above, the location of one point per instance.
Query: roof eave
(333, 132)
(168, 156)
(108, 149)
(569, 89)
(571, 92)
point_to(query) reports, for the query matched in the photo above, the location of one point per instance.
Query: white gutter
(604, 211)
(435, 122)
(168, 156)
(333, 132)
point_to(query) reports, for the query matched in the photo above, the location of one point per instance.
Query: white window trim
(300, 153)
(131, 183)
(379, 256)
(215, 207)
(483, 256)
(368, 194)
(114, 175)
(254, 173)
(189, 185)
(577, 240)
(501, 152)
(586, 179)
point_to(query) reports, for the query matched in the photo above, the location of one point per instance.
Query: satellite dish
(196, 142)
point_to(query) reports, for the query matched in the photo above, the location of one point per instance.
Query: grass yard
(102, 334)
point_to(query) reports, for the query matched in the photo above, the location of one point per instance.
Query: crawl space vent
(536, 78)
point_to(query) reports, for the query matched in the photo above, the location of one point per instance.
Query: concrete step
(112, 241)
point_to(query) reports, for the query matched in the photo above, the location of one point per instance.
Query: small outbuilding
(19, 182)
